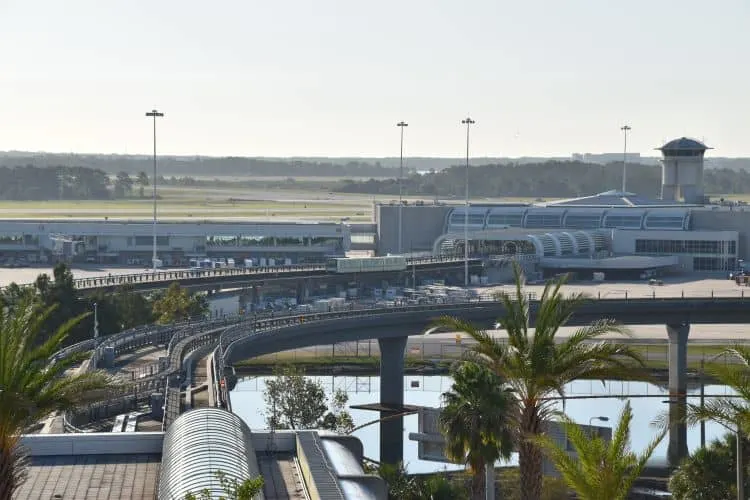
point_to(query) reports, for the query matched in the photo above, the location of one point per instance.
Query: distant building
(604, 158)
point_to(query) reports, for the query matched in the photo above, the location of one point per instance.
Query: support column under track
(678, 339)
(392, 351)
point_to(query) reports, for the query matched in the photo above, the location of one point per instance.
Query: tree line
(118, 311)
(543, 180)
(201, 166)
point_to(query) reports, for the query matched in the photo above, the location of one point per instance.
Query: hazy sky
(332, 78)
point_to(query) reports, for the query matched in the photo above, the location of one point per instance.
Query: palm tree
(537, 365)
(477, 420)
(31, 388)
(731, 413)
(599, 470)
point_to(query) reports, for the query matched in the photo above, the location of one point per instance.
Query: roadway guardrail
(184, 274)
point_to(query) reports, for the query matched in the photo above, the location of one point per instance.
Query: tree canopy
(296, 402)
(710, 473)
(178, 304)
(553, 179)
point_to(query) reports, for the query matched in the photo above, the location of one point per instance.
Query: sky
(333, 77)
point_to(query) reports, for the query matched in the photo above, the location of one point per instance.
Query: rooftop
(84, 477)
(684, 144)
(613, 198)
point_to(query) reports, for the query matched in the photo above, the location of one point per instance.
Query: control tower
(682, 170)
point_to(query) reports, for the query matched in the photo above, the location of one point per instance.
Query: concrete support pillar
(108, 357)
(157, 405)
(303, 291)
(392, 353)
(678, 339)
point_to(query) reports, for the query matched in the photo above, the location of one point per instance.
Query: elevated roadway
(393, 326)
(244, 337)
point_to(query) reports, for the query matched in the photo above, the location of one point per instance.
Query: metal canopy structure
(200, 443)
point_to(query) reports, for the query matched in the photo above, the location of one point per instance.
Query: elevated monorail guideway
(227, 276)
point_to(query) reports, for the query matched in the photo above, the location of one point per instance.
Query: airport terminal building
(131, 242)
(615, 232)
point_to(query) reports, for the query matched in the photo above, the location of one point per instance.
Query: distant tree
(178, 304)
(233, 489)
(297, 402)
(402, 486)
(710, 473)
(142, 182)
(123, 185)
(133, 308)
(62, 293)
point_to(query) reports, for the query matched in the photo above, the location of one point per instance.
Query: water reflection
(247, 402)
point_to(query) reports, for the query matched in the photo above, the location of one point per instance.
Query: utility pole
(468, 122)
(625, 129)
(154, 114)
(402, 124)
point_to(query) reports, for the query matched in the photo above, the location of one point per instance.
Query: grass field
(303, 199)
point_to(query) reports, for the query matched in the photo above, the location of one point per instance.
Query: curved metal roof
(684, 144)
(200, 443)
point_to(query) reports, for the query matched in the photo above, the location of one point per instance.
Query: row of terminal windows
(515, 220)
(542, 221)
(583, 221)
(221, 241)
(685, 246)
(615, 221)
(493, 247)
(142, 241)
(474, 219)
(713, 264)
(573, 221)
(661, 221)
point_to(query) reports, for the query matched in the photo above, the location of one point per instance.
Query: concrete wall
(95, 443)
(731, 220)
(421, 226)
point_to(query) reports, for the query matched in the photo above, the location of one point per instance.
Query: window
(515, 220)
(583, 221)
(143, 241)
(542, 221)
(664, 222)
(474, 219)
(686, 246)
(624, 221)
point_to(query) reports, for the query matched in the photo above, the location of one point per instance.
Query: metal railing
(198, 274)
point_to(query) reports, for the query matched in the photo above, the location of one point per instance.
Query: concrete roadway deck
(281, 478)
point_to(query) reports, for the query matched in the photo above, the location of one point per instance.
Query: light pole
(468, 122)
(625, 129)
(601, 419)
(154, 114)
(402, 124)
